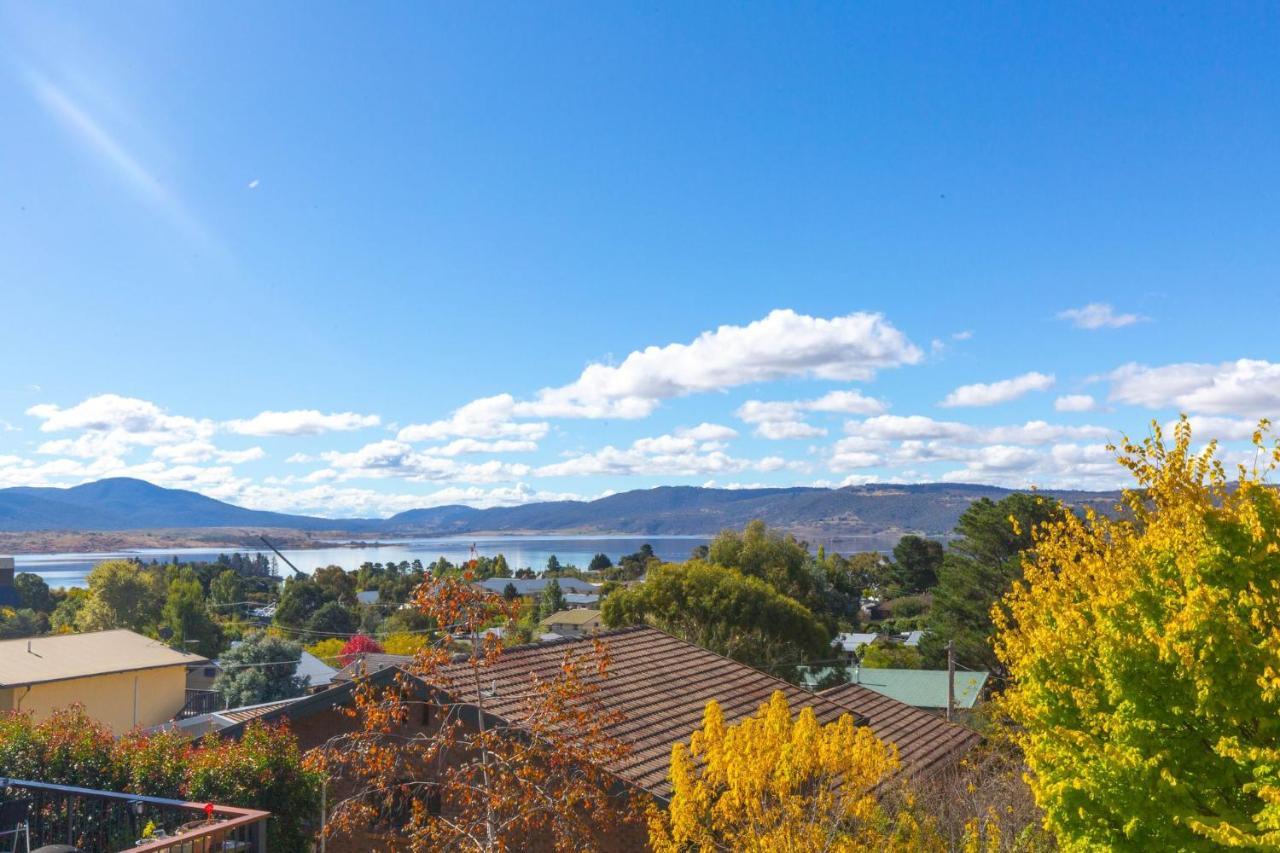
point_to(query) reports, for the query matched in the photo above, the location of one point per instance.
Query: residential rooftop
(59, 657)
(661, 685)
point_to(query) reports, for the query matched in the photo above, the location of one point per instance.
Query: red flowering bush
(356, 646)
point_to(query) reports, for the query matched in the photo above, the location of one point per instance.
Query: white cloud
(396, 459)
(299, 458)
(784, 419)
(194, 452)
(989, 394)
(487, 417)
(460, 446)
(708, 432)
(1206, 428)
(962, 336)
(253, 185)
(1075, 403)
(301, 422)
(1242, 387)
(669, 455)
(780, 430)
(782, 344)
(110, 412)
(920, 427)
(1098, 315)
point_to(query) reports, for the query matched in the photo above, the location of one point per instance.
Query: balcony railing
(93, 820)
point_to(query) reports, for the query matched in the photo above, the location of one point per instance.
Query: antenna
(296, 570)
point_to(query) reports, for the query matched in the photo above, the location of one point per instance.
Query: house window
(433, 801)
(426, 714)
(210, 672)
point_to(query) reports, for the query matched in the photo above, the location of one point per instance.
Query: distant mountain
(929, 508)
(877, 510)
(122, 503)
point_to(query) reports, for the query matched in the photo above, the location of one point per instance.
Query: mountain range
(871, 510)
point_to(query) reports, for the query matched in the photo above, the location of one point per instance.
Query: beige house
(572, 623)
(123, 679)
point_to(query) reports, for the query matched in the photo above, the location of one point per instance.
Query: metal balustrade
(93, 820)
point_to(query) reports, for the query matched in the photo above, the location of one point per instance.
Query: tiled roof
(661, 685)
(925, 741)
(252, 712)
(367, 664)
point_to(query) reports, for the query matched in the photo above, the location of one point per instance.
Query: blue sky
(461, 253)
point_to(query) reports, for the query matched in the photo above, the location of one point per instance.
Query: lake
(521, 552)
(70, 570)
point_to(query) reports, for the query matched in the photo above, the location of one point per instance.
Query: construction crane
(299, 572)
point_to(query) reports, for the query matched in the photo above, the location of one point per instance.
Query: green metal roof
(923, 688)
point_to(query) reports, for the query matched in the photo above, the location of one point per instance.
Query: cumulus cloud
(301, 422)
(114, 413)
(397, 459)
(670, 455)
(1075, 403)
(194, 452)
(1242, 387)
(708, 432)
(783, 344)
(782, 419)
(920, 427)
(992, 393)
(487, 417)
(1098, 315)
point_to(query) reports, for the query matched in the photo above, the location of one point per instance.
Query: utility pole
(951, 677)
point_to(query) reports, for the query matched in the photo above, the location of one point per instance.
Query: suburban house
(848, 644)
(572, 623)
(123, 679)
(201, 676)
(661, 684)
(526, 587)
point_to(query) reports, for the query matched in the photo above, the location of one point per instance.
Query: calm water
(520, 551)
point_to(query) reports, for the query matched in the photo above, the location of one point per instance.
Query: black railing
(93, 820)
(200, 702)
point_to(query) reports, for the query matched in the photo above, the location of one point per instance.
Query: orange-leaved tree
(433, 765)
(773, 782)
(1144, 651)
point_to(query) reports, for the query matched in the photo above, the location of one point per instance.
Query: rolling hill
(929, 508)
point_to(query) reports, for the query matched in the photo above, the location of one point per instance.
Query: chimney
(8, 594)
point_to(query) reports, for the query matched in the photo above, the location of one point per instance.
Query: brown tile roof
(253, 712)
(925, 741)
(369, 663)
(661, 685)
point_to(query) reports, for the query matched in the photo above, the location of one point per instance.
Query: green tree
(510, 593)
(333, 619)
(33, 592)
(890, 656)
(553, 564)
(599, 563)
(978, 569)
(64, 616)
(23, 622)
(301, 598)
(226, 590)
(500, 567)
(1144, 654)
(552, 598)
(916, 562)
(262, 668)
(337, 583)
(122, 594)
(722, 610)
(187, 615)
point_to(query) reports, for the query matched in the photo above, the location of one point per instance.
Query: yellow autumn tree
(1144, 651)
(775, 783)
